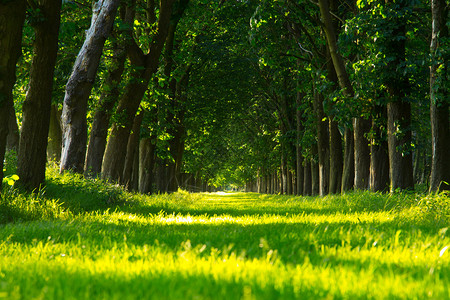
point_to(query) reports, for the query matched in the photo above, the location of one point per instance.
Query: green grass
(84, 239)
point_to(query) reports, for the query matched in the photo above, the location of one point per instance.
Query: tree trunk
(132, 150)
(314, 178)
(12, 142)
(36, 108)
(336, 159)
(362, 153)
(379, 158)
(147, 148)
(54, 146)
(103, 112)
(348, 172)
(307, 179)
(439, 97)
(323, 144)
(400, 160)
(12, 16)
(114, 158)
(398, 108)
(80, 84)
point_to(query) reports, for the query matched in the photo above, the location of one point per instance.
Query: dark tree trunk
(379, 158)
(103, 112)
(80, 84)
(439, 96)
(323, 144)
(36, 108)
(299, 155)
(398, 108)
(336, 159)
(12, 142)
(348, 172)
(362, 153)
(400, 159)
(132, 150)
(307, 179)
(54, 146)
(314, 178)
(12, 14)
(147, 160)
(114, 158)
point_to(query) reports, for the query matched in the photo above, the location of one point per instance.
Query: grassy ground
(81, 239)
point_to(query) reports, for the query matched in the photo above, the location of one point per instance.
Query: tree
(12, 15)
(32, 157)
(80, 83)
(145, 65)
(439, 96)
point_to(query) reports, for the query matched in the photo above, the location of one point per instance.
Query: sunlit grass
(95, 241)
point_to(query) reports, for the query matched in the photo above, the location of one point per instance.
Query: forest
(289, 97)
(224, 149)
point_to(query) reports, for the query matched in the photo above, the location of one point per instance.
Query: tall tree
(439, 96)
(360, 125)
(45, 19)
(80, 83)
(397, 86)
(12, 16)
(145, 67)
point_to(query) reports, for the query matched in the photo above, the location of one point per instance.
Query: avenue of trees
(298, 97)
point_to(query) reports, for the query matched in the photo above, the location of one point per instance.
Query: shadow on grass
(292, 240)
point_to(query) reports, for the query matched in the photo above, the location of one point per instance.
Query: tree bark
(323, 144)
(12, 16)
(379, 158)
(398, 108)
(147, 148)
(12, 142)
(336, 159)
(300, 128)
(54, 146)
(348, 172)
(80, 84)
(400, 160)
(132, 150)
(362, 153)
(439, 97)
(103, 112)
(114, 158)
(307, 180)
(36, 108)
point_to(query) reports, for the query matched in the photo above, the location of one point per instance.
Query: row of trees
(287, 96)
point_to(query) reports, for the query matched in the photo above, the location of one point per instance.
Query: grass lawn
(82, 239)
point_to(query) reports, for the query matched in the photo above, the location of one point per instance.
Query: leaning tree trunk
(362, 158)
(114, 157)
(36, 108)
(439, 97)
(80, 84)
(12, 16)
(103, 112)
